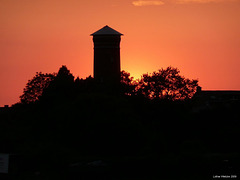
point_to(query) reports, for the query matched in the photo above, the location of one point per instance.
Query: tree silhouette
(84, 85)
(162, 84)
(43, 86)
(128, 85)
(167, 84)
(64, 77)
(36, 86)
(61, 87)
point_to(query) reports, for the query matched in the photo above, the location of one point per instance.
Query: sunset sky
(200, 37)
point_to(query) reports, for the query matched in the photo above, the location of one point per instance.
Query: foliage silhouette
(128, 85)
(167, 84)
(84, 85)
(164, 84)
(64, 76)
(62, 85)
(36, 86)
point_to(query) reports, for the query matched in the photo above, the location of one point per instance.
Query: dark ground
(104, 137)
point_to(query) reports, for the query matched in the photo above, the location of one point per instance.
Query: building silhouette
(107, 58)
(215, 99)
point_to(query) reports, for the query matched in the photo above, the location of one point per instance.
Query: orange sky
(200, 37)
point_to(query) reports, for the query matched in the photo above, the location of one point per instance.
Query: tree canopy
(36, 86)
(167, 84)
(47, 85)
(128, 85)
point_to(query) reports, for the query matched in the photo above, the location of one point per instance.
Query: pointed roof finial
(106, 30)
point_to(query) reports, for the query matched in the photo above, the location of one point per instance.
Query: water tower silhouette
(107, 58)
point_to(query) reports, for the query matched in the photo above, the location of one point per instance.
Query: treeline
(165, 84)
(151, 114)
(59, 110)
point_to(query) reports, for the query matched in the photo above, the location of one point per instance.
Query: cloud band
(147, 3)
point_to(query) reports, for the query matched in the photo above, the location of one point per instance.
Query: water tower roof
(106, 30)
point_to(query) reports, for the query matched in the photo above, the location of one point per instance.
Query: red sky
(200, 37)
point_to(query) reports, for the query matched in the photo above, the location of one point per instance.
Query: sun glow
(136, 75)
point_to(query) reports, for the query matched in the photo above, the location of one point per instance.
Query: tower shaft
(107, 58)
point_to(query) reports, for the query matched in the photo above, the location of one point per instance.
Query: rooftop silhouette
(106, 30)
